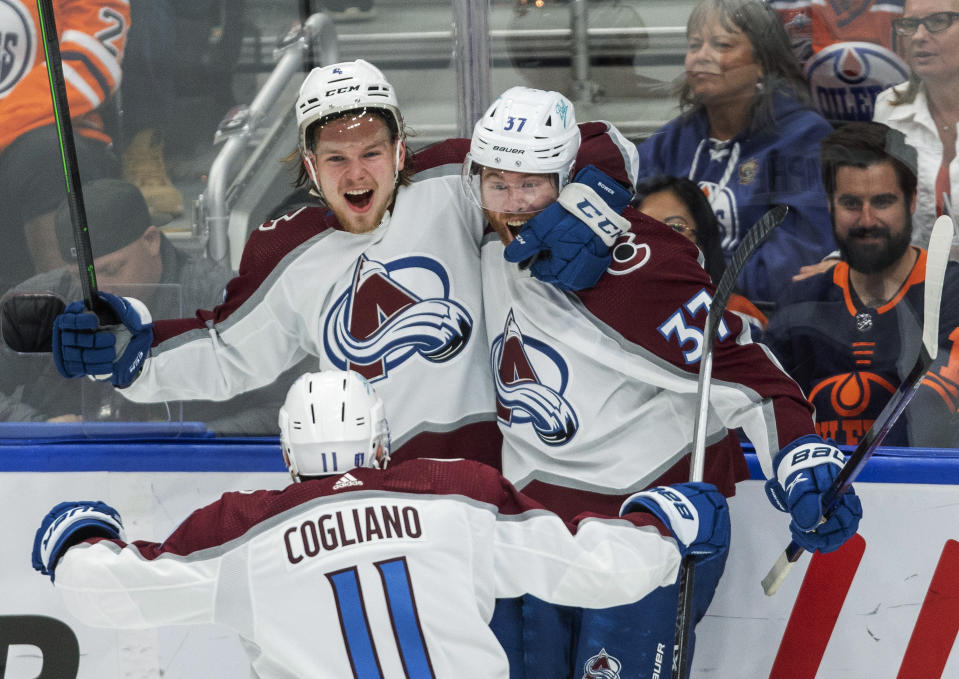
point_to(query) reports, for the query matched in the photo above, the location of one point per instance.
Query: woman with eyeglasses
(926, 107)
(681, 205)
(748, 137)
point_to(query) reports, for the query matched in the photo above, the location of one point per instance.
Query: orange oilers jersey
(92, 37)
(830, 21)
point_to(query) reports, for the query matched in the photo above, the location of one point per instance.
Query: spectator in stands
(132, 256)
(92, 38)
(746, 138)
(813, 25)
(848, 335)
(926, 107)
(680, 204)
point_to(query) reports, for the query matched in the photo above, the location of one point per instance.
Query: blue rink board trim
(143, 455)
(203, 454)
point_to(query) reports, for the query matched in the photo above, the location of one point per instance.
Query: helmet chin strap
(400, 144)
(308, 159)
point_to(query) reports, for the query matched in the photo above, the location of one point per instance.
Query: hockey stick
(68, 156)
(937, 256)
(754, 238)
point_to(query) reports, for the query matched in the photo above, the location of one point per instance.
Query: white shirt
(915, 121)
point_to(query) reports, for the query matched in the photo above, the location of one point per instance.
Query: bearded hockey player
(596, 389)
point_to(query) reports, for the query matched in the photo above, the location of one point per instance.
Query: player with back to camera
(395, 569)
(596, 389)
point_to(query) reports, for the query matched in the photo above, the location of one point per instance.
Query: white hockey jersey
(597, 390)
(370, 574)
(401, 305)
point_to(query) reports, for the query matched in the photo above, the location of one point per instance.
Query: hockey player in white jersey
(596, 389)
(356, 570)
(383, 279)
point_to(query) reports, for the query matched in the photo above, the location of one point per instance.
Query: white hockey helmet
(346, 86)
(331, 422)
(525, 130)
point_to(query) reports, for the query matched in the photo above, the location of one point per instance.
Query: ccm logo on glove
(589, 211)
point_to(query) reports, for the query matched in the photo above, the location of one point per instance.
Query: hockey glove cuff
(696, 513)
(571, 239)
(81, 346)
(69, 523)
(803, 472)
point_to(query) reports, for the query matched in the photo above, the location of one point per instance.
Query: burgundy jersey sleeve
(264, 249)
(603, 146)
(236, 513)
(656, 295)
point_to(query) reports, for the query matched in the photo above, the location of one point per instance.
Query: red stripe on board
(816, 610)
(938, 622)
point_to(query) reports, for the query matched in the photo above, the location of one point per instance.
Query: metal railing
(255, 125)
(251, 132)
(406, 49)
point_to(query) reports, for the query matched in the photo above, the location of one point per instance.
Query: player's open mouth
(359, 199)
(514, 225)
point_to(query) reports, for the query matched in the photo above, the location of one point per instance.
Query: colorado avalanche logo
(17, 44)
(521, 396)
(602, 666)
(378, 323)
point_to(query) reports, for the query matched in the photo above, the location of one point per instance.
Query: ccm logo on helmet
(341, 90)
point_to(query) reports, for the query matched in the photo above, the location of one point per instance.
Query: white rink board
(905, 528)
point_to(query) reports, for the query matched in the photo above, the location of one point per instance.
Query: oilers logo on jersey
(380, 321)
(852, 400)
(845, 78)
(523, 369)
(18, 44)
(602, 666)
(723, 201)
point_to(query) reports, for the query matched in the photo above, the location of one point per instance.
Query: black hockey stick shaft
(687, 573)
(936, 260)
(68, 155)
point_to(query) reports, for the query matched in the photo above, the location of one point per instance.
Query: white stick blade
(777, 574)
(937, 257)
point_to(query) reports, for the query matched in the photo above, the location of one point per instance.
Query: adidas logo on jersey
(346, 481)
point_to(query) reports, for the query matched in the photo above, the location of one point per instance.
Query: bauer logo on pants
(380, 321)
